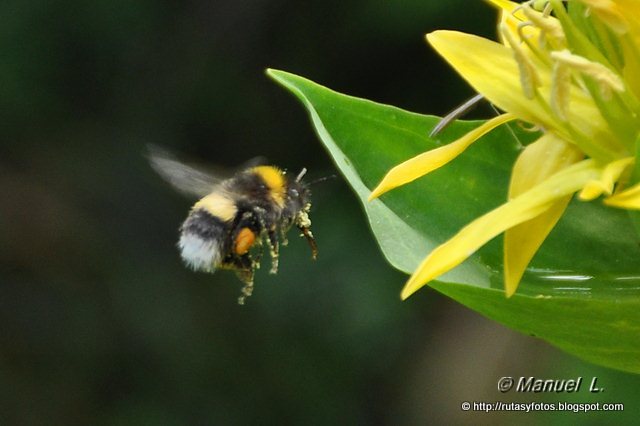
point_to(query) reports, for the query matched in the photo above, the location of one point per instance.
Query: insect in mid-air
(258, 204)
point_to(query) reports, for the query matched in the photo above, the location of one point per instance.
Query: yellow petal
(510, 13)
(608, 12)
(505, 5)
(610, 174)
(490, 68)
(543, 158)
(631, 44)
(492, 71)
(526, 206)
(631, 10)
(631, 68)
(627, 199)
(429, 161)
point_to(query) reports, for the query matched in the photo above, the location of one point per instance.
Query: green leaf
(582, 290)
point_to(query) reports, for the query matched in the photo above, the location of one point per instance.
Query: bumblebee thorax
(274, 180)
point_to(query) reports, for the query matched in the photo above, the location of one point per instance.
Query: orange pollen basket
(244, 241)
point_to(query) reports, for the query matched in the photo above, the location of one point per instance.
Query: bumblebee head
(298, 194)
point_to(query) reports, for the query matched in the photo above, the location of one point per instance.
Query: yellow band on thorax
(275, 181)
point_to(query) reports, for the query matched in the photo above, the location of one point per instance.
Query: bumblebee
(255, 206)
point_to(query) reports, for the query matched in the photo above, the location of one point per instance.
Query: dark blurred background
(100, 323)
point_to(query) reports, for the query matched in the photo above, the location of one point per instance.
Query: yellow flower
(573, 71)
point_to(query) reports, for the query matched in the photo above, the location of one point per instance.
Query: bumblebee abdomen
(202, 240)
(219, 205)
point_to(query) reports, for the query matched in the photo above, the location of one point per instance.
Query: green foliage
(581, 292)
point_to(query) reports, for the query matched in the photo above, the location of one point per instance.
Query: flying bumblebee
(258, 204)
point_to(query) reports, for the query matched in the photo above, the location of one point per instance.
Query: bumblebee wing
(185, 178)
(254, 162)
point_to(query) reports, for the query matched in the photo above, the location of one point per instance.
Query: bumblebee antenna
(301, 174)
(313, 182)
(322, 179)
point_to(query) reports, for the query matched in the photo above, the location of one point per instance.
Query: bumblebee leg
(246, 291)
(283, 235)
(245, 267)
(306, 233)
(245, 271)
(303, 223)
(274, 250)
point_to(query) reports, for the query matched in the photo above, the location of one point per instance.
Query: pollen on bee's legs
(273, 250)
(274, 262)
(284, 241)
(244, 240)
(246, 291)
(246, 276)
(306, 233)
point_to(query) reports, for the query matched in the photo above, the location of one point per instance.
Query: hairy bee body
(232, 216)
(258, 204)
